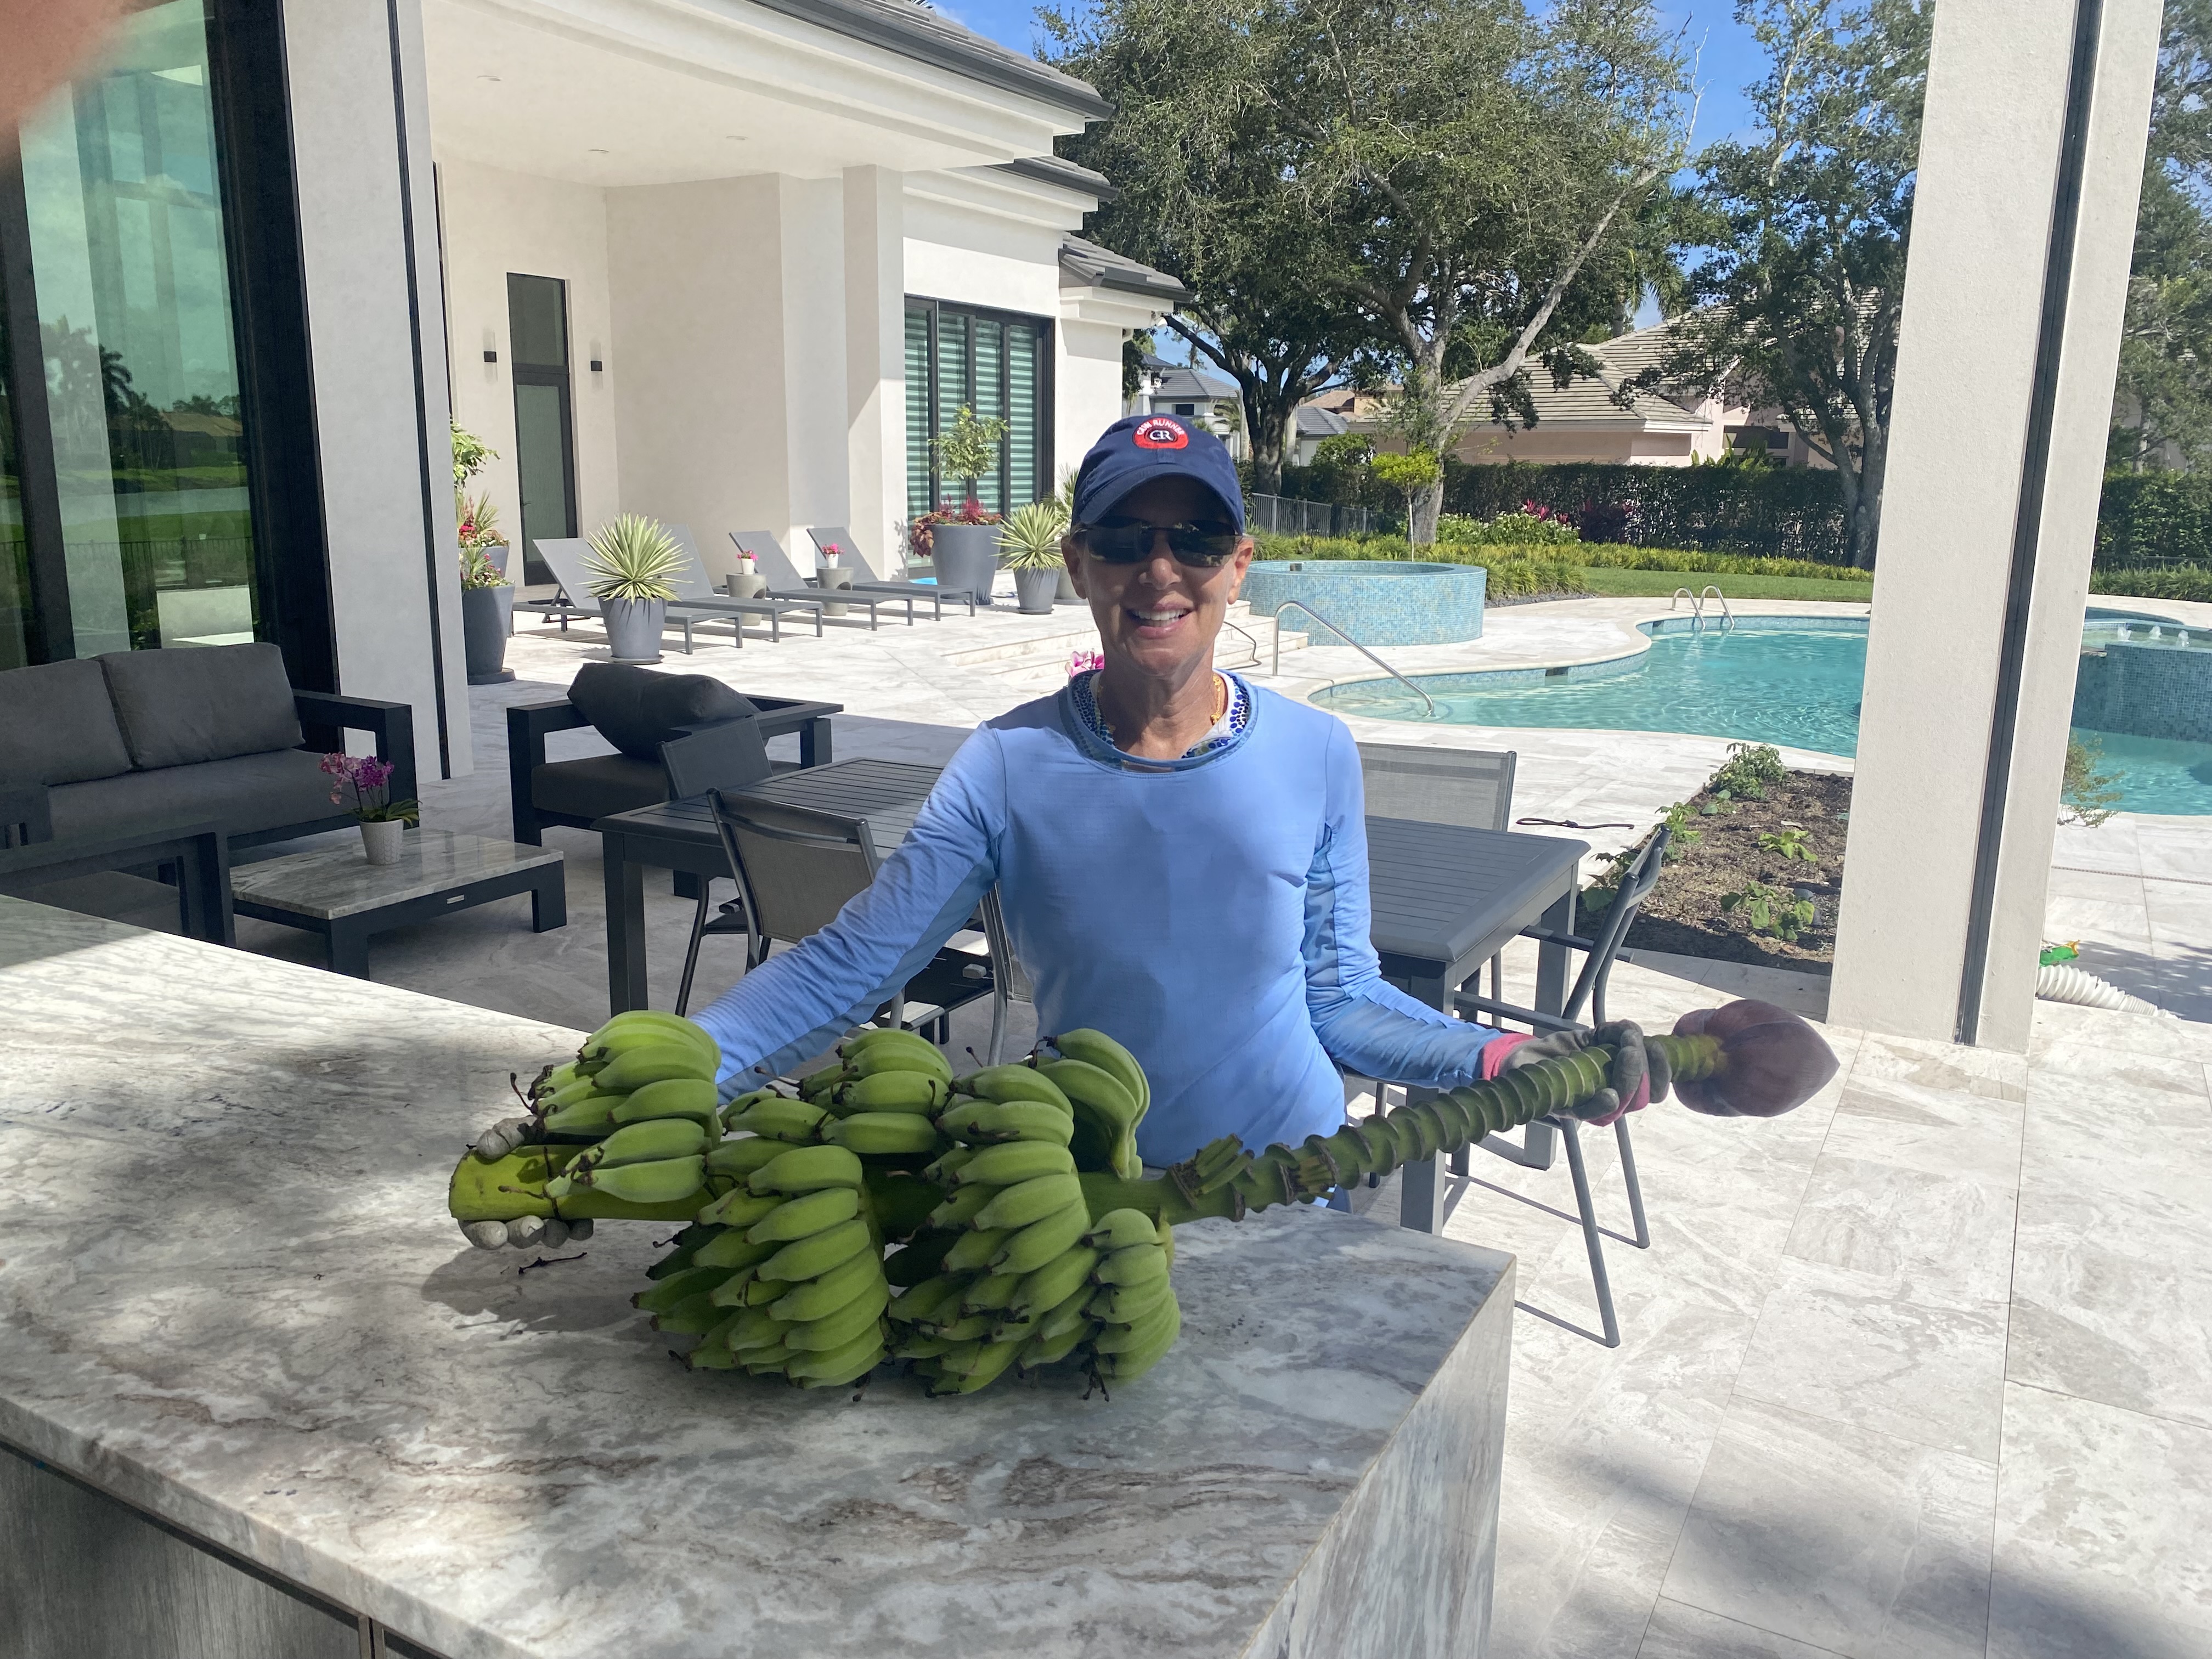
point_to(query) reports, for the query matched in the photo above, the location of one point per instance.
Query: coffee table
(335, 891)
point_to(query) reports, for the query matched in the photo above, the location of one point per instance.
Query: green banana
(553, 1081)
(694, 1316)
(1117, 1230)
(817, 1087)
(654, 1063)
(984, 1364)
(1031, 1247)
(1031, 1200)
(778, 1118)
(765, 1362)
(948, 1165)
(884, 1134)
(641, 1143)
(732, 1292)
(973, 1252)
(1045, 1288)
(695, 1098)
(1019, 1120)
(915, 1346)
(835, 1369)
(592, 1114)
(834, 1329)
(813, 1256)
(1130, 1363)
(664, 1294)
(1140, 1264)
(894, 1092)
(1042, 1350)
(751, 1098)
(678, 1259)
(806, 1168)
(1125, 1305)
(1095, 1048)
(919, 1302)
(634, 1024)
(917, 1056)
(803, 1218)
(1106, 1115)
(576, 1089)
(968, 1328)
(960, 1209)
(756, 1328)
(742, 1154)
(711, 1355)
(1005, 1083)
(990, 1293)
(1067, 1316)
(1126, 1338)
(661, 1182)
(1012, 1161)
(739, 1208)
(761, 1292)
(817, 1298)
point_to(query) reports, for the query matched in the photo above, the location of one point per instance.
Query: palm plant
(1031, 536)
(634, 558)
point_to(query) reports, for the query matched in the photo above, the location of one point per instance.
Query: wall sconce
(491, 356)
(597, 365)
(490, 346)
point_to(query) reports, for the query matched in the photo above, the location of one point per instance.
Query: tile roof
(1587, 402)
(1093, 266)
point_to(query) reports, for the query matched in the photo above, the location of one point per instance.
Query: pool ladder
(1300, 604)
(1698, 603)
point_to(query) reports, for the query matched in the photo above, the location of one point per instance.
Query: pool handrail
(1300, 604)
(1728, 616)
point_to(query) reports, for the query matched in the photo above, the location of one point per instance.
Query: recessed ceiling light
(597, 152)
(737, 137)
(486, 77)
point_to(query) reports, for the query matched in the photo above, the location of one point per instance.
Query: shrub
(2157, 519)
(1687, 560)
(1511, 575)
(1538, 529)
(1768, 512)
(2175, 583)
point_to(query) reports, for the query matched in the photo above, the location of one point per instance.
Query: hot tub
(1375, 601)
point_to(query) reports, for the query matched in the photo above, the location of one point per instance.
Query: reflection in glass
(14, 550)
(133, 291)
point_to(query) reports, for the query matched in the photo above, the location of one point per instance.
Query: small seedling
(1788, 845)
(1770, 911)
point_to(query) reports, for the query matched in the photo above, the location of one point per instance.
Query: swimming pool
(1781, 680)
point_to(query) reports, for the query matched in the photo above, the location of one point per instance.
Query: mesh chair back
(1636, 886)
(727, 755)
(769, 557)
(1470, 787)
(564, 556)
(796, 866)
(838, 536)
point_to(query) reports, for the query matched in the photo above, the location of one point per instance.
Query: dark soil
(1683, 914)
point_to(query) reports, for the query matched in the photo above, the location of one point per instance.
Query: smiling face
(1159, 616)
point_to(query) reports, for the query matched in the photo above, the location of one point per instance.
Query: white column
(875, 360)
(378, 346)
(1960, 445)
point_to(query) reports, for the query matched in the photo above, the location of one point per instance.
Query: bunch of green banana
(1108, 1091)
(882, 1095)
(1133, 1305)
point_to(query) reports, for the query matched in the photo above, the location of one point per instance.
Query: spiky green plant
(634, 558)
(1030, 536)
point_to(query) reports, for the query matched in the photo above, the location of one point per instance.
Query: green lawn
(1645, 584)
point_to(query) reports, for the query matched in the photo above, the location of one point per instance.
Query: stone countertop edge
(274, 1341)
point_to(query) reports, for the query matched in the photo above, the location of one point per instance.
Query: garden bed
(1686, 915)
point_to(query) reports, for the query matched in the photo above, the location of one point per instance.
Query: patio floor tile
(1681, 1631)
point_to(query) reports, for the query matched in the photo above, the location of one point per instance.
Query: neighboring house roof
(926, 36)
(1093, 266)
(1590, 402)
(1187, 382)
(1315, 421)
(1051, 170)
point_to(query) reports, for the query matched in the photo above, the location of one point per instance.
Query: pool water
(1796, 684)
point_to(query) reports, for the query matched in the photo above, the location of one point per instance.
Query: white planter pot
(633, 628)
(381, 841)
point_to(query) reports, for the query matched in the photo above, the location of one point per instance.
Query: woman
(1181, 857)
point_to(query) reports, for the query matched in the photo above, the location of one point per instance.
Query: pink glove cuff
(1495, 1050)
(1636, 1102)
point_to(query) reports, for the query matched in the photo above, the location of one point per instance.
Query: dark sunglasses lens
(1207, 544)
(1119, 543)
(1203, 544)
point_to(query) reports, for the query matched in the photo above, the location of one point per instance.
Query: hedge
(1512, 576)
(2155, 519)
(1676, 558)
(2176, 583)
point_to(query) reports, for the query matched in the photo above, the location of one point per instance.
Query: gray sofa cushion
(245, 793)
(196, 703)
(597, 785)
(56, 725)
(638, 710)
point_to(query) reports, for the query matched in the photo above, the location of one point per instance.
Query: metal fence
(1285, 515)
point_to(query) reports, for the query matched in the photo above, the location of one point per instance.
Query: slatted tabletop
(889, 794)
(1441, 892)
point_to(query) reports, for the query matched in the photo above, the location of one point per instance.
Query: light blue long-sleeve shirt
(1210, 913)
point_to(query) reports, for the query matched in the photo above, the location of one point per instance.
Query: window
(544, 421)
(1186, 409)
(998, 364)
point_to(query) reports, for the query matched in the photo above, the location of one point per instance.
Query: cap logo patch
(1161, 433)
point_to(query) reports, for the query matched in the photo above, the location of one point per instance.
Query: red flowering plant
(365, 782)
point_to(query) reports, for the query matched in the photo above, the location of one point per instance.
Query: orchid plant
(362, 785)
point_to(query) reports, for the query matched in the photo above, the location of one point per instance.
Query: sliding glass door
(996, 363)
(544, 423)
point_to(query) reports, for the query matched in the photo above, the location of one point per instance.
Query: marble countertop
(230, 1295)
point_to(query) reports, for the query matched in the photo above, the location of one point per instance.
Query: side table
(335, 891)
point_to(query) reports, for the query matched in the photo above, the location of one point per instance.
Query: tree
(1204, 194)
(1482, 174)
(2162, 409)
(1805, 226)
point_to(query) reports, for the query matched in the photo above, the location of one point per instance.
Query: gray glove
(1639, 1073)
(529, 1232)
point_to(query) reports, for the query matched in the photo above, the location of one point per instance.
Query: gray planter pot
(496, 553)
(966, 557)
(487, 619)
(739, 586)
(1035, 589)
(1066, 594)
(633, 628)
(833, 578)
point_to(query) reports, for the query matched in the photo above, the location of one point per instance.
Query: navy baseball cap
(1139, 448)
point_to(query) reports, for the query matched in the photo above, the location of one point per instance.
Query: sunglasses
(1208, 545)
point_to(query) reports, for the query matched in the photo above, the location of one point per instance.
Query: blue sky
(1730, 58)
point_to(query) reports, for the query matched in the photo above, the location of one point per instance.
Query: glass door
(544, 430)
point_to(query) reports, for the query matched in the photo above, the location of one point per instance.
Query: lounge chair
(565, 558)
(837, 535)
(695, 588)
(784, 581)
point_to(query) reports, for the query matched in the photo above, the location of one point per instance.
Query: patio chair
(1636, 886)
(1010, 979)
(695, 589)
(798, 868)
(727, 755)
(1471, 787)
(784, 581)
(838, 536)
(565, 558)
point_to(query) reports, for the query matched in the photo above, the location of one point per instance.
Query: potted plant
(963, 540)
(1031, 540)
(633, 564)
(366, 783)
(747, 583)
(478, 519)
(834, 573)
(487, 595)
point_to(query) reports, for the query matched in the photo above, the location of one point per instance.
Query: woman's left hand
(1639, 1073)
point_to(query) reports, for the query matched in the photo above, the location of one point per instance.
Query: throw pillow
(637, 710)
